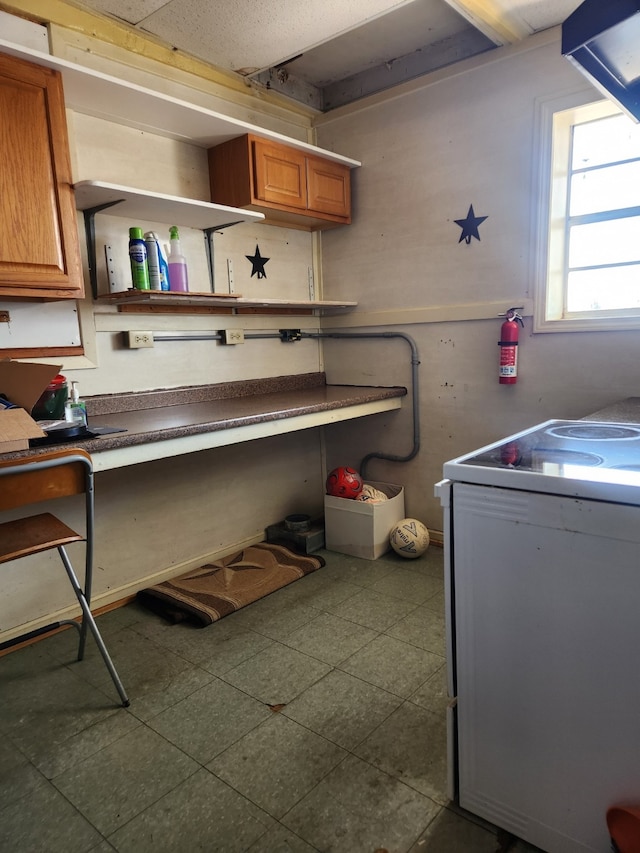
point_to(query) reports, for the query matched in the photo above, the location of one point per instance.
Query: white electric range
(542, 552)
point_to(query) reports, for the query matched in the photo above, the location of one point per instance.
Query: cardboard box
(16, 428)
(360, 528)
(22, 384)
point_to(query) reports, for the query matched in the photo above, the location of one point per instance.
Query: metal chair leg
(89, 621)
(83, 640)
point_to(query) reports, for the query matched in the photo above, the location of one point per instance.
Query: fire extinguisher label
(508, 359)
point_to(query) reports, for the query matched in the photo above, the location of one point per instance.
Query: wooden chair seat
(34, 534)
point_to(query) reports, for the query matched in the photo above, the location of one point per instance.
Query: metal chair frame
(30, 480)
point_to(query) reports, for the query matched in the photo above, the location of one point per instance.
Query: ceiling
(327, 53)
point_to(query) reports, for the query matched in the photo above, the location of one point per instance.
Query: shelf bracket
(208, 244)
(90, 234)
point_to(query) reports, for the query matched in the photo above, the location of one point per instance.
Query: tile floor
(313, 720)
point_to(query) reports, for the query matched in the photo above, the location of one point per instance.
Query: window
(590, 278)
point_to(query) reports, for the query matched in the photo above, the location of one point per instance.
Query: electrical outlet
(137, 340)
(232, 336)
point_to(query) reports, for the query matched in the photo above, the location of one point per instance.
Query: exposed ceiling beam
(440, 54)
(492, 19)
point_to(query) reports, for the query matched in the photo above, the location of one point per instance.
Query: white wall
(429, 150)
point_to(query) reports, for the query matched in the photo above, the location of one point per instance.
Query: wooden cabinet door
(329, 187)
(39, 251)
(279, 174)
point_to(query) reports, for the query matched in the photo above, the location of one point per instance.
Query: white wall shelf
(93, 197)
(113, 99)
(139, 204)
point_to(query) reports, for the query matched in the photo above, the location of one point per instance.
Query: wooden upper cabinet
(39, 247)
(288, 185)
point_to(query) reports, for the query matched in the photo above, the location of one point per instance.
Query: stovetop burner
(557, 447)
(586, 459)
(563, 457)
(595, 432)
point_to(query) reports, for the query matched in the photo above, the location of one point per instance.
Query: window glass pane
(615, 241)
(608, 188)
(604, 289)
(592, 248)
(605, 141)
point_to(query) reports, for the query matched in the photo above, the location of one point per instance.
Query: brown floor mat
(217, 589)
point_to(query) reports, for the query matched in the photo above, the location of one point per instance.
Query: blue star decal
(470, 226)
(258, 263)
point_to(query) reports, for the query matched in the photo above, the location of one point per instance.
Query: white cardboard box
(361, 528)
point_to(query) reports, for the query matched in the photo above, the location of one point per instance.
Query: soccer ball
(409, 538)
(344, 482)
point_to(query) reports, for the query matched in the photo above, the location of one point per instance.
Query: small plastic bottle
(75, 410)
(178, 277)
(138, 258)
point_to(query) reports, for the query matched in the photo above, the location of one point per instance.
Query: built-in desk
(165, 423)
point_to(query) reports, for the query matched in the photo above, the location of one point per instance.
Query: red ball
(344, 482)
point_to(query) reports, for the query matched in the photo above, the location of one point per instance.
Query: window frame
(554, 119)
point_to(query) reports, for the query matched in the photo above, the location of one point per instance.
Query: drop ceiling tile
(541, 14)
(257, 34)
(131, 11)
(410, 28)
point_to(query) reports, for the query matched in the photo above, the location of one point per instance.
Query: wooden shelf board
(168, 297)
(185, 301)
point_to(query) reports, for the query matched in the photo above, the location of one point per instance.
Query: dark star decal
(470, 226)
(258, 264)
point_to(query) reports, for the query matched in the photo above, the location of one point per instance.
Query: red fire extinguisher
(508, 343)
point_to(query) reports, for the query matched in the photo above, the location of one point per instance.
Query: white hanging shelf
(140, 204)
(113, 99)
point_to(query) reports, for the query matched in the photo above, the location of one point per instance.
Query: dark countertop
(624, 412)
(155, 416)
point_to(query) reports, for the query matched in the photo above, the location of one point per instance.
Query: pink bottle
(178, 277)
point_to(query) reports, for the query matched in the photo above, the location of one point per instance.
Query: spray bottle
(138, 258)
(158, 267)
(153, 260)
(178, 278)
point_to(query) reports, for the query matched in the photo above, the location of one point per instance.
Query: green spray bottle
(138, 259)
